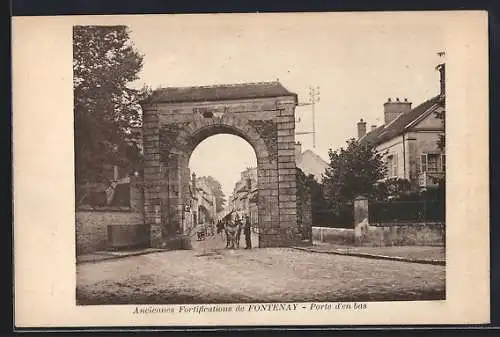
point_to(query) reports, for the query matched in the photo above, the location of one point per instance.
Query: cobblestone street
(212, 274)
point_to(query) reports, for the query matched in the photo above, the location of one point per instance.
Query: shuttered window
(423, 162)
(392, 165)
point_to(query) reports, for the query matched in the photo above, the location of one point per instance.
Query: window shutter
(423, 162)
(443, 162)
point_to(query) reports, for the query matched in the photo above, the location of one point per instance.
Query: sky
(357, 65)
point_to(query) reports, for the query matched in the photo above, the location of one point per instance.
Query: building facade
(408, 139)
(244, 198)
(201, 207)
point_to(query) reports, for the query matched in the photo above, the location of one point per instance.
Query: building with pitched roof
(309, 162)
(409, 137)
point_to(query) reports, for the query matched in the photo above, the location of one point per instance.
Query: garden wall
(342, 236)
(394, 233)
(92, 228)
(91, 222)
(407, 234)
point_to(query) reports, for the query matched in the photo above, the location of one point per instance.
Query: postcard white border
(44, 252)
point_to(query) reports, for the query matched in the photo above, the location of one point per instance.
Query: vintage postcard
(251, 169)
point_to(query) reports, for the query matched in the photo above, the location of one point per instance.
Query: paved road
(212, 274)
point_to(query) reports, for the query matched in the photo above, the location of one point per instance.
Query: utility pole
(314, 96)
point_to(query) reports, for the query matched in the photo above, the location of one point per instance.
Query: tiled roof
(386, 132)
(219, 92)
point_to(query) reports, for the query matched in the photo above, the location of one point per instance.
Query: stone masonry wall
(153, 174)
(172, 131)
(92, 228)
(394, 234)
(91, 225)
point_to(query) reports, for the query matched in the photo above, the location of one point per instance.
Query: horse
(232, 229)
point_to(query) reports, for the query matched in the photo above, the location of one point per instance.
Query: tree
(106, 110)
(321, 212)
(215, 185)
(352, 171)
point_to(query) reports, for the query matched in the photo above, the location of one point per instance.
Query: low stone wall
(404, 234)
(343, 236)
(394, 234)
(92, 227)
(92, 222)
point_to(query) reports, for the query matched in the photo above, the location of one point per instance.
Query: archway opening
(223, 180)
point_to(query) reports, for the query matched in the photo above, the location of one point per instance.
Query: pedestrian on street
(247, 229)
(228, 242)
(237, 220)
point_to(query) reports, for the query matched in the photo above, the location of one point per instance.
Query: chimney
(373, 127)
(441, 70)
(361, 128)
(298, 149)
(392, 109)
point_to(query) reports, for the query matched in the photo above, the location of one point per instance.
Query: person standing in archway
(239, 224)
(227, 224)
(247, 231)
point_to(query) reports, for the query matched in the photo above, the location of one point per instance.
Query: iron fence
(342, 218)
(420, 211)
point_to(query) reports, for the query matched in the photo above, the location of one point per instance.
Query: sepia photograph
(249, 169)
(262, 163)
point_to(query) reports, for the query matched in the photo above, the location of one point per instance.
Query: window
(392, 165)
(432, 162)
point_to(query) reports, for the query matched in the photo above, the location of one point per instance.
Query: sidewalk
(109, 255)
(415, 254)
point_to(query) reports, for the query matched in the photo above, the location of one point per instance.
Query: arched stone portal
(176, 120)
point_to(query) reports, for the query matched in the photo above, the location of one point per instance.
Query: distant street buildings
(243, 200)
(202, 207)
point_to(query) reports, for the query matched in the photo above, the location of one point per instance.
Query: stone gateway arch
(176, 120)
